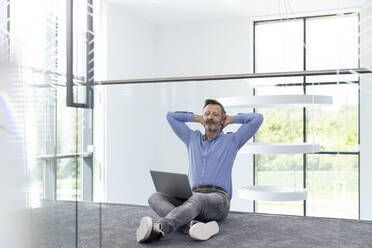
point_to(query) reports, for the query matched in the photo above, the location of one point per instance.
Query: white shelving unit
(279, 148)
(275, 101)
(272, 193)
(269, 192)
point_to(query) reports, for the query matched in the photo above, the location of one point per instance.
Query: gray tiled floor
(114, 225)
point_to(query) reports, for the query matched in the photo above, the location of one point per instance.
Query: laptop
(173, 184)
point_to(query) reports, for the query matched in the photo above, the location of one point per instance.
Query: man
(211, 157)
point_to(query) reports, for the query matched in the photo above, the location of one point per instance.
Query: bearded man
(211, 158)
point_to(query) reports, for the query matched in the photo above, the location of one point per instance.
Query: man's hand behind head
(228, 120)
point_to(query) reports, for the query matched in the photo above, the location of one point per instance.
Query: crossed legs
(177, 214)
(162, 204)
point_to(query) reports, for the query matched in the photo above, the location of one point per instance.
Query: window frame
(50, 158)
(304, 84)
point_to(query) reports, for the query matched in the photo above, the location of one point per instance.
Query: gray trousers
(204, 205)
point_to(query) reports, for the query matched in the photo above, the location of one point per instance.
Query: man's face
(212, 118)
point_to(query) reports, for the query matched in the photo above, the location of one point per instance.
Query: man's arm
(177, 122)
(250, 124)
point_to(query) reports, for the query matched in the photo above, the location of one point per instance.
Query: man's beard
(209, 129)
(216, 127)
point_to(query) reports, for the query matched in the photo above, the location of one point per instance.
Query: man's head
(214, 116)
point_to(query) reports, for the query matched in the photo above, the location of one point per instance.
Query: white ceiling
(168, 11)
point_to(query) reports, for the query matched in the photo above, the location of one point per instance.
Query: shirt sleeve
(177, 122)
(250, 124)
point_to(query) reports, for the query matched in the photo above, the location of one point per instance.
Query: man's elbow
(260, 118)
(169, 115)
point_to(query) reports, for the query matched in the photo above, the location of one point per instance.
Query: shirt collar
(219, 135)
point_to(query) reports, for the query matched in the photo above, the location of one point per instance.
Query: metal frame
(86, 158)
(238, 76)
(65, 155)
(304, 84)
(254, 111)
(89, 57)
(5, 31)
(304, 164)
(8, 26)
(358, 117)
(50, 166)
(86, 161)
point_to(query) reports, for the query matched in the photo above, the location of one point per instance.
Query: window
(56, 136)
(331, 176)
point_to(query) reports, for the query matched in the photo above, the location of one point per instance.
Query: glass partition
(333, 185)
(81, 166)
(54, 164)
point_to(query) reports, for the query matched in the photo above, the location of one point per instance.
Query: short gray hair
(215, 102)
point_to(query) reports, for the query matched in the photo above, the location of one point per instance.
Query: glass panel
(34, 48)
(68, 128)
(40, 116)
(45, 117)
(332, 42)
(68, 179)
(280, 170)
(283, 81)
(74, 126)
(38, 38)
(348, 78)
(89, 225)
(280, 125)
(54, 224)
(36, 188)
(4, 35)
(80, 50)
(279, 46)
(334, 127)
(79, 38)
(137, 118)
(332, 183)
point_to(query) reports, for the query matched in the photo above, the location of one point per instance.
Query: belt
(209, 187)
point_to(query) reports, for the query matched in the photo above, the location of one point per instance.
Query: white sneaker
(203, 231)
(144, 230)
(148, 230)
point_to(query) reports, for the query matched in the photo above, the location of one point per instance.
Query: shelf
(272, 193)
(275, 101)
(279, 148)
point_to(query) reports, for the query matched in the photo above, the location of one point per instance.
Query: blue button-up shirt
(211, 161)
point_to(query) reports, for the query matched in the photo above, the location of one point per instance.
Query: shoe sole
(204, 231)
(144, 229)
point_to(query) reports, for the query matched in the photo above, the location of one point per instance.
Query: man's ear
(223, 122)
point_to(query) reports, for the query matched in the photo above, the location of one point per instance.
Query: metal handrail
(65, 155)
(236, 76)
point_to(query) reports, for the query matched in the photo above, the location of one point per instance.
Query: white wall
(206, 48)
(129, 43)
(138, 137)
(129, 54)
(365, 114)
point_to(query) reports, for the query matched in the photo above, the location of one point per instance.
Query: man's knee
(155, 197)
